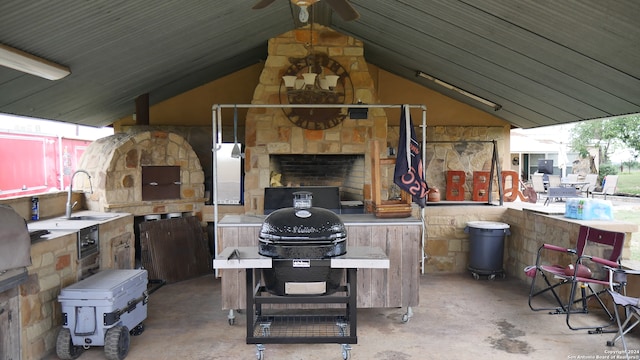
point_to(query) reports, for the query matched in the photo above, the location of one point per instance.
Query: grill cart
(302, 256)
(311, 326)
(103, 310)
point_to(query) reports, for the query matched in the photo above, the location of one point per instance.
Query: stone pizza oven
(142, 172)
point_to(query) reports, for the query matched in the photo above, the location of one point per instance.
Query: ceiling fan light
(304, 14)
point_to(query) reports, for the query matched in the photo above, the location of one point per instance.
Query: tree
(603, 134)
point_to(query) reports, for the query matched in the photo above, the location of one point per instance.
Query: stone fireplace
(344, 171)
(119, 164)
(269, 133)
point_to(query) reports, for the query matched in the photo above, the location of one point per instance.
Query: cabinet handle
(177, 183)
(153, 183)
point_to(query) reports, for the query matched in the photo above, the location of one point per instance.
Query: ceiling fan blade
(344, 9)
(261, 4)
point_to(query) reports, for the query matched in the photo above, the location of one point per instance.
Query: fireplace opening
(343, 171)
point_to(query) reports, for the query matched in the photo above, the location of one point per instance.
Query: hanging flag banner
(408, 173)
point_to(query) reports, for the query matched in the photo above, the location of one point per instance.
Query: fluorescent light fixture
(31, 64)
(477, 98)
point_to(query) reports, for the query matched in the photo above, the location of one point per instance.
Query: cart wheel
(116, 343)
(139, 329)
(492, 277)
(64, 346)
(346, 351)
(260, 352)
(231, 317)
(476, 276)
(407, 316)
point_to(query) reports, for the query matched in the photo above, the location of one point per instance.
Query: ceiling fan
(341, 7)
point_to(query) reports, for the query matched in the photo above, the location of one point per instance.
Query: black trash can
(486, 247)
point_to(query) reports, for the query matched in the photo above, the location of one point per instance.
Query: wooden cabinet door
(9, 325)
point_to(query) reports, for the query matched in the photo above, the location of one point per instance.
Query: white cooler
(108, 299)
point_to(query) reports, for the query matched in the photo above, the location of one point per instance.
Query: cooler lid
(103, 285)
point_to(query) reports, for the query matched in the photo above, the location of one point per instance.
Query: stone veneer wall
(54, 267)
(462, 148)
(269, 131)
(116, 161)
(447, 243)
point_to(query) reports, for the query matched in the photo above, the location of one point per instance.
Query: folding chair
(589, 281)
(630, 304)
(538, 184)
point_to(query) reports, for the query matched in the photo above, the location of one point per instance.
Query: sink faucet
(69, 206)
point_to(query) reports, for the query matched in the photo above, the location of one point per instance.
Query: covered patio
(458, 318)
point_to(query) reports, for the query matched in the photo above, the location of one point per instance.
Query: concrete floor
(458, 318)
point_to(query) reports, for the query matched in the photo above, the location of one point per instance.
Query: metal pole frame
(216, 113)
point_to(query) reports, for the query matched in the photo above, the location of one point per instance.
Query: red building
(35, 164)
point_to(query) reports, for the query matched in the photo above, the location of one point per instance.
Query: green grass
(631, 216)
(629, 182)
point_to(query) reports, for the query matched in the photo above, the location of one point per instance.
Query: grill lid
(15, 242)
(302, 224)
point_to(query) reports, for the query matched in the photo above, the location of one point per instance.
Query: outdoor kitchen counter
(348, 219)
(399, 239)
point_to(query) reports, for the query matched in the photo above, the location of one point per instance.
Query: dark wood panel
(175, 249)
(160, 182)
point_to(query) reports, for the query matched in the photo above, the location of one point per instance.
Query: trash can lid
(493, 225)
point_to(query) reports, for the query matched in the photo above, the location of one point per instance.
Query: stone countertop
(360, 257)
(60, 226)
(348, 219)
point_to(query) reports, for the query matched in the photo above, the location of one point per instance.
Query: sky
(561, 134)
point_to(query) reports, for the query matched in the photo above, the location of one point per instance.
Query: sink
(90, 217)
(79, 221)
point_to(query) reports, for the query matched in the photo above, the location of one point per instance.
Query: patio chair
(538, 184)
(591, 183)
(555, 181)
(585, 278)
(572, 177)
(609, 187)
(630, 304)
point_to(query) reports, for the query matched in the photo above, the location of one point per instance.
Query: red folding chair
(586, 279)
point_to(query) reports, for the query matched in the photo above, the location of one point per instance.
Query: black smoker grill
(301, 240)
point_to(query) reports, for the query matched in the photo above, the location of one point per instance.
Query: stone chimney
(269, 131)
